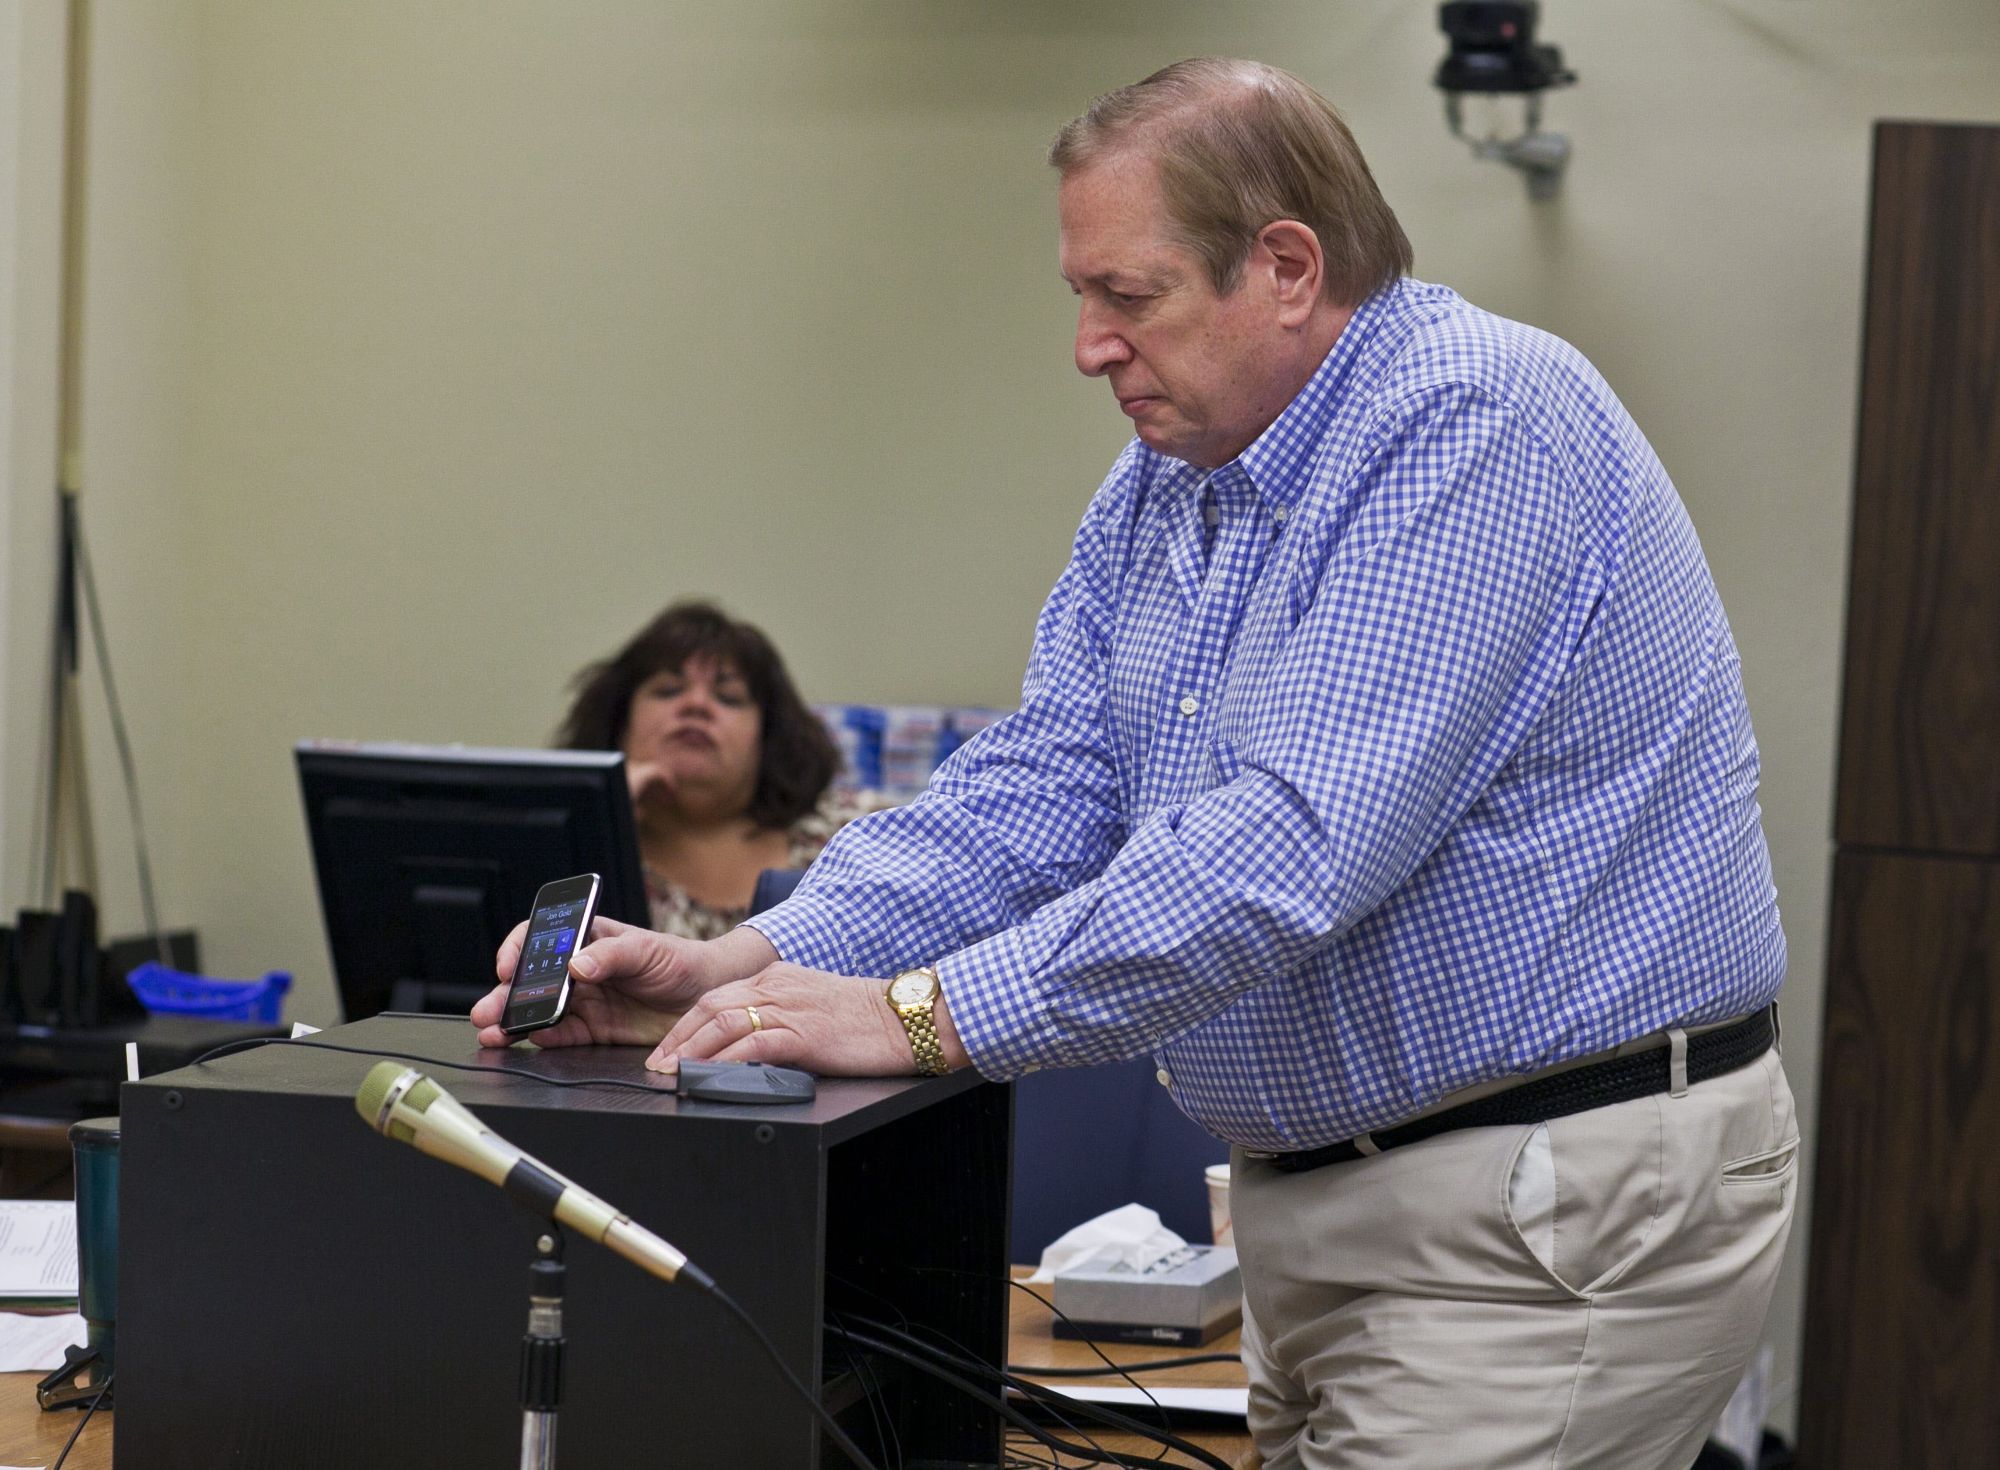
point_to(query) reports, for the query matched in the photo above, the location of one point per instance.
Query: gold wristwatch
(913, 996)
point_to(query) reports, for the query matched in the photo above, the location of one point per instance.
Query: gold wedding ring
(756, 1021)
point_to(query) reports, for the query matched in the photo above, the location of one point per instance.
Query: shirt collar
(1275, 462)
(1273, 466)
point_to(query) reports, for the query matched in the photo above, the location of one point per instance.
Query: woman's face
(700, 726)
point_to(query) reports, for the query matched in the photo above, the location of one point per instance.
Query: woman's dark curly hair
(798, 757)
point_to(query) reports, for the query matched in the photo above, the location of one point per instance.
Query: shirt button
(1189, 704)
(1163, 1079)
(1281, 515)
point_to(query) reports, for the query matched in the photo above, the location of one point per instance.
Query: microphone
(402, 1103)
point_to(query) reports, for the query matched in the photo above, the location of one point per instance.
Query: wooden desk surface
(30, 1437)
(1030, 1341)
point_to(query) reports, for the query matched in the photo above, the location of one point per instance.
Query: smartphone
(558, 925)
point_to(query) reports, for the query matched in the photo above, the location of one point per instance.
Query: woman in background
(730, 772)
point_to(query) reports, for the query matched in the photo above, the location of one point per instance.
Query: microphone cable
(694, 1276)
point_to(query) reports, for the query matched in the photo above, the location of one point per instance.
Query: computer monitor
(428, 855)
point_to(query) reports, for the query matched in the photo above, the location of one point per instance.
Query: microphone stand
(541, 1353)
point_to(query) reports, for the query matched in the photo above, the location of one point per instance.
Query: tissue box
(1186, 1297)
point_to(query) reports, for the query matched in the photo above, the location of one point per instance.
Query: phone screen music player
(558, 925)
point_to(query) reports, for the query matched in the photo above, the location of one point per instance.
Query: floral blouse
(674, 912)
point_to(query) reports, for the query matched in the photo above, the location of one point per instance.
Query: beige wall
(433, 345)
(30, 184)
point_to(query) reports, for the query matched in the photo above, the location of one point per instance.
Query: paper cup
(1217, 1176)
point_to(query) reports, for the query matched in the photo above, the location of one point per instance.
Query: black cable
(1053, 1397)
(1007, 1411)
(701, 1279)
(864, 1372)
(1040, 1393)
(1156, 1365)
(1056, 1401)
(1111, 1369)
(845, 1284)
(956, 1355)
(1092, 1452)
(123, 741)
(252, 1042)
(1017, 1457)
(89, 1409)
(1102, 1356)
(910, 1330)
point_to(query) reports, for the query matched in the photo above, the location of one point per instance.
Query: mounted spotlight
(1494, 53)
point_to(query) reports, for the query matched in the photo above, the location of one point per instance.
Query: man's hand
(627, 986)
(829, 1024)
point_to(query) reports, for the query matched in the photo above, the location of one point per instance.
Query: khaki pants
(1582, 1295)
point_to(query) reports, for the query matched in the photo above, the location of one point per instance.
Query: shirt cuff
(1005, 1023)
(805, 931)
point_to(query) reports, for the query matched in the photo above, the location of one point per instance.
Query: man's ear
(1297, 266)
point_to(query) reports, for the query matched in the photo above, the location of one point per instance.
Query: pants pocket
(1584, 1193)
(1771, 1166)
(1529, 1206)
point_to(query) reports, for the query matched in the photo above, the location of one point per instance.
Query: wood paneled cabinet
(1902, 1353)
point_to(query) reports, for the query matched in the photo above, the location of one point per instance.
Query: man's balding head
(1239, 144)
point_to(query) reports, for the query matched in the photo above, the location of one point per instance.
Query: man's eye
(1125, 298)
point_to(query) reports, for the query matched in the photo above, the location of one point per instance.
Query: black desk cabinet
(296, 1290)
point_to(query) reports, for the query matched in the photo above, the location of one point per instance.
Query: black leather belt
(1578, 1090)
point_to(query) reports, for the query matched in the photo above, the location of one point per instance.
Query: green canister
(95, 1143)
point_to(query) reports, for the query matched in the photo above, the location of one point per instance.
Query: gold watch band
(920, 1022)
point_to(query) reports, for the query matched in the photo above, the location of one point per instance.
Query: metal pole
(541, 1354)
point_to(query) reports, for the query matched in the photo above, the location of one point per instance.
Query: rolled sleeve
(806, 931)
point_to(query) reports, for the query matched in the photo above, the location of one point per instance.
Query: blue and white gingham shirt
(1436, 768)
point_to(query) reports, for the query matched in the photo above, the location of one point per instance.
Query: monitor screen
(428, 855)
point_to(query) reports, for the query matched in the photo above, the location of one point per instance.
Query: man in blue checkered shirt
(1383, 770)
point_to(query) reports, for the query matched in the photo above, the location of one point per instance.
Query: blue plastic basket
(167, 992)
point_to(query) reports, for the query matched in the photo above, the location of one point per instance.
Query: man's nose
(1098, 348)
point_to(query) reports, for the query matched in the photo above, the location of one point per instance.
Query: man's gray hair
(1240, 144)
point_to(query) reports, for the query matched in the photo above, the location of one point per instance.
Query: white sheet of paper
(37, 1247)
(1203, 1400)
(36, 1343)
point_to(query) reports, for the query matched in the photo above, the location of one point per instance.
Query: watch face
(911, 988)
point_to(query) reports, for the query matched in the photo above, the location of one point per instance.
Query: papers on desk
(35, 1344)
(37, 1250)
(37, 1264)
(1233, 1402)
